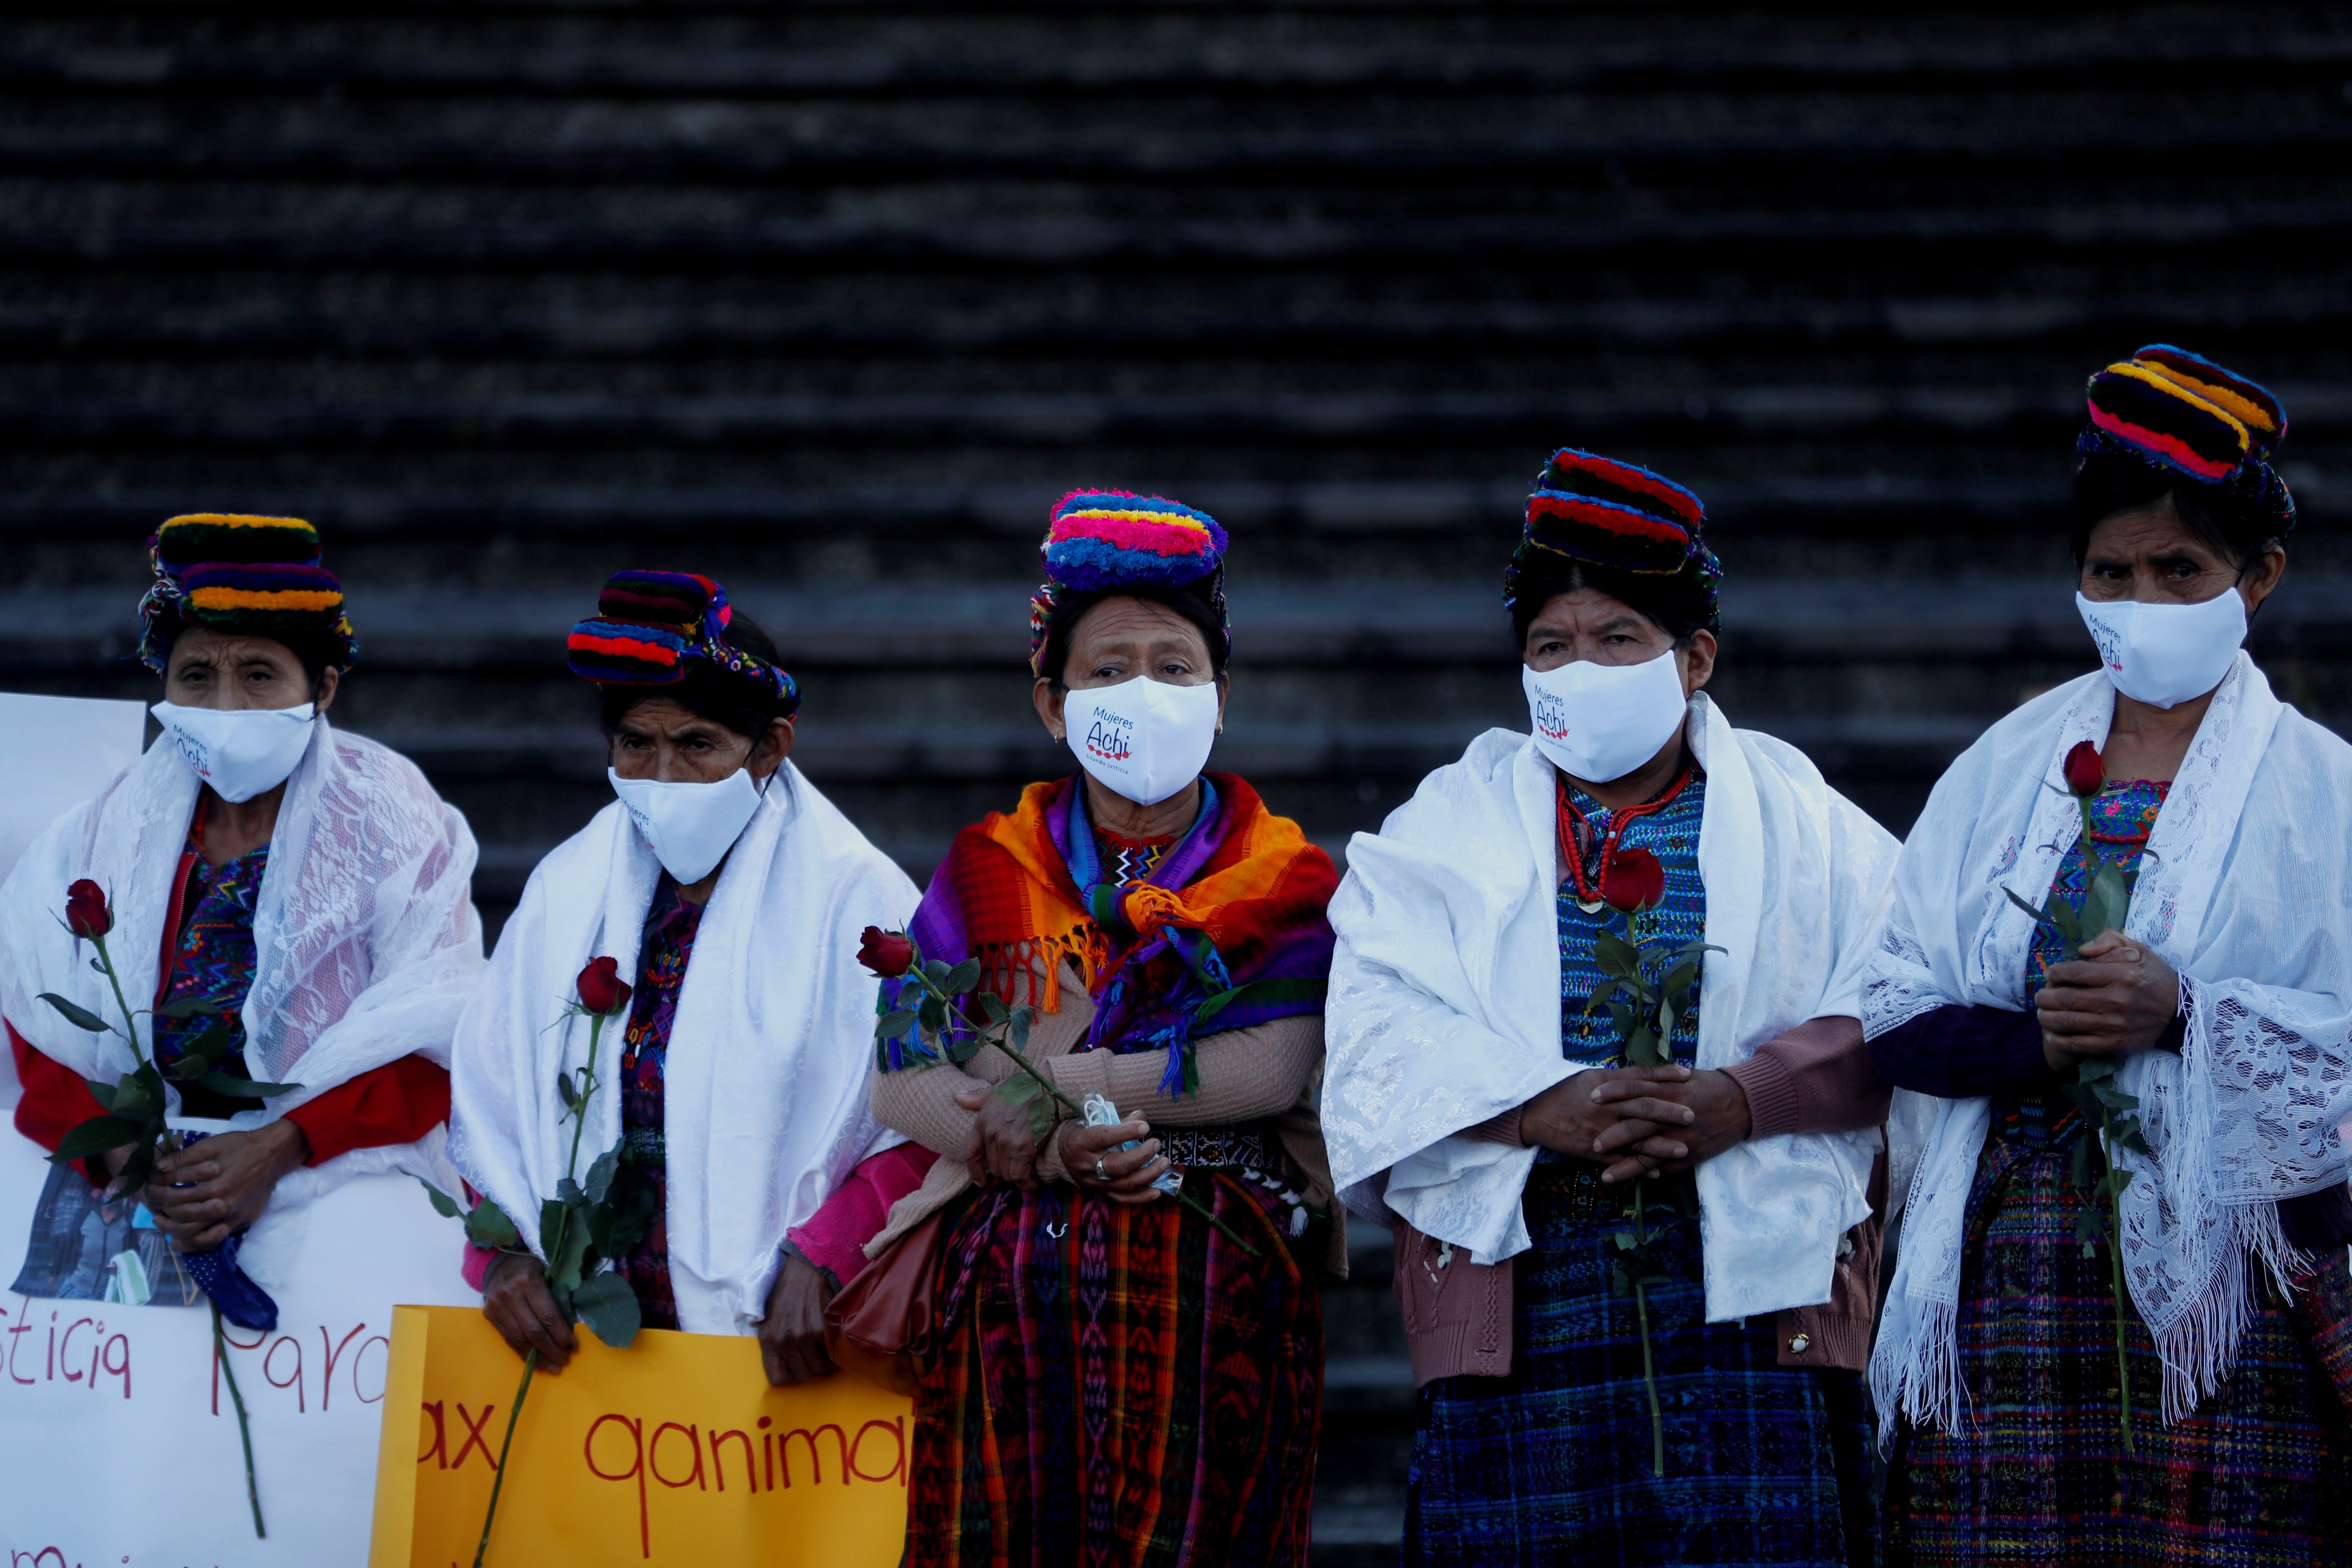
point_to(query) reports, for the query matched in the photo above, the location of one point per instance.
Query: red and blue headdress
(2176, 411)
(1106, 541)
(650, 626)
(1601, 512)
(240, 574)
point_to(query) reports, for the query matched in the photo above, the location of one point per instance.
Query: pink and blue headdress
(1107, 542)
(650, 628)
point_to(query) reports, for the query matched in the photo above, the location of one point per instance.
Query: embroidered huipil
(668, 944)
(213, 961)
(2122, 817)
(1670, 833)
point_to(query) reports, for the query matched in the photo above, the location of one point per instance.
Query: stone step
(1421, 50)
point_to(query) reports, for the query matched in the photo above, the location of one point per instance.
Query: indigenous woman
(2184, 1401)
(1123, 1381)
(1636, 1239)
(305, 888)
(717, 884)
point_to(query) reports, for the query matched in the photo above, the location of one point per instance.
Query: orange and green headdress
(239, 574)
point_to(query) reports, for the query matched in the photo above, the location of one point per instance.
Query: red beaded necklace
(1574, 828)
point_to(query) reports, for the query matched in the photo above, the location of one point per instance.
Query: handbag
(884, 1325)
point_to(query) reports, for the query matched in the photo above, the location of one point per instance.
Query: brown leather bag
(884, 1326)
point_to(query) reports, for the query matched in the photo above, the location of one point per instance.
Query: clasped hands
(1001, 1148)
(1639, 1121)
(2117, 997)
(203, 1194)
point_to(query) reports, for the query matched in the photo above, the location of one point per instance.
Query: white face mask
(2164, 655)
(240, 752)
(1142, 739)
(691, 826)
(1600, 721)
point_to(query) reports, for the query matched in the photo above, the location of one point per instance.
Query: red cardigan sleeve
(55, 1099)
(398, 1102)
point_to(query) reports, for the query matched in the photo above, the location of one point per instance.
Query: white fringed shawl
(1445, 1005)
(365, 940)
(764, 1083)
(2242, 889)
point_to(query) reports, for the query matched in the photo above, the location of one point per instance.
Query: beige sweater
(1273, 1072)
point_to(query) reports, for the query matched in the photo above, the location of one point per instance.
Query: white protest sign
(120, 1440)
(58, 752)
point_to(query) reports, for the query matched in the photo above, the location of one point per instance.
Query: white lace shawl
(365, 940)
(2242, 890)
(1445, 1005)
(764, 1084)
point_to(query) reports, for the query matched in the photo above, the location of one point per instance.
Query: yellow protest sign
(672, 1451)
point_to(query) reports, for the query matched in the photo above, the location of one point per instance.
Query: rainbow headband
(237, 572)
(650, 625)
(1104, 540)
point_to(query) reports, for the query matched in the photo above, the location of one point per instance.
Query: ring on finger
(1102, 1172)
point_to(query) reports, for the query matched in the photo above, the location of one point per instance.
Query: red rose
(888, 953)
(602, 989)
(86, 911)
(2086, 770)
(1635, 880)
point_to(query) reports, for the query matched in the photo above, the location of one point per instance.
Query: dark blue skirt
(1765, 1464)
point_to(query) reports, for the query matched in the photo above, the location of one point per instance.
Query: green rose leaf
(892, 1025)
(962, 978)
(80, 1017)
(600, 1174)
(244, 1088)
(606, 1304)
(96, 1136)
(993, 1007)
(442, 1203)
(487, 1225)
(188, 1008)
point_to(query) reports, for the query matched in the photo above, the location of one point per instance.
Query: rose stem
(1641, 1309)
(129, 1019)
(244, 1431)
(530, 1365)
(554, 1246)
(1047, 1085)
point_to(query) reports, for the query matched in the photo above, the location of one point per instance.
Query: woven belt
(1210, 1146)
(1572, 1190)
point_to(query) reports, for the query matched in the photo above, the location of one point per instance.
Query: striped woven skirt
(1121, 1387)
(1551, 1464)
(2260, 1477)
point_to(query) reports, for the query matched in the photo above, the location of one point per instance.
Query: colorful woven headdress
(651, 626)
(1104, 540)
(239, 573)
(2176, 411)
(1601, 512)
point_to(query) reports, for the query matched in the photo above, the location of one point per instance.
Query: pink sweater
(836, 1235)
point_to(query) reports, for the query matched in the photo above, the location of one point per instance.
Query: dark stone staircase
(832, 301)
